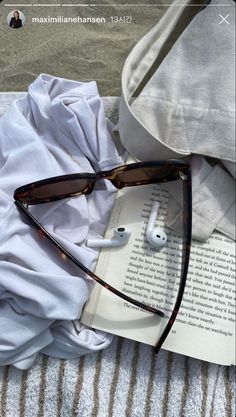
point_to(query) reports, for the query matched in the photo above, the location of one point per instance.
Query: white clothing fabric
(187, 108)
(58, 128)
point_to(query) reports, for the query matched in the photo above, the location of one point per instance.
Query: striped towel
(125, 380)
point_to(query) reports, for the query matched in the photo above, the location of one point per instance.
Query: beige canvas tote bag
(178, 101)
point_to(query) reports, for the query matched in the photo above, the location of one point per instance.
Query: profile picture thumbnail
(16, 19)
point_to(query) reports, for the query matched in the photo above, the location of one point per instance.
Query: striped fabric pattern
(125, 380)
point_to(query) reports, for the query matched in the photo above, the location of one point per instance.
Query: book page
(204, 327)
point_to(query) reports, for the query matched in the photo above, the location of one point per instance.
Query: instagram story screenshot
(117, 208)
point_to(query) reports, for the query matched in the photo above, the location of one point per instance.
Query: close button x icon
(224, 19)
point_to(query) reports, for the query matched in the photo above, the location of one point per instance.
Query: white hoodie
(58, 128)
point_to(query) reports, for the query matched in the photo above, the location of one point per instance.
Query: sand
(82, 51)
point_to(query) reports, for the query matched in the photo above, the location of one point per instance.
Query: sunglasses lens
(146, 175)
(57, 190)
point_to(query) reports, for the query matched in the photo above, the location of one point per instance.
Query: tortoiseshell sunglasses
(135, 174)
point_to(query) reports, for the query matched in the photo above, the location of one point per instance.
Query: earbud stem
(153, 216)
(104, 243)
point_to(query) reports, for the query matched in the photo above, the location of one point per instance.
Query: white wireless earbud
(155, 236)
(120, 238)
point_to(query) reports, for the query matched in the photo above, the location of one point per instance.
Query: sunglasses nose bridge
(111, 176)
(90, 186)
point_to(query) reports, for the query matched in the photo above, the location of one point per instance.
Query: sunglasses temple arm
(43, 231)
(187, 201)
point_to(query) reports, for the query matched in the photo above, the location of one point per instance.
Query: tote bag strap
(134, 134)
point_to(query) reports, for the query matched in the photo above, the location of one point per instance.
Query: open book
(205, 325)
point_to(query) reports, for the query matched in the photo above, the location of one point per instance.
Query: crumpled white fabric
(58, 128)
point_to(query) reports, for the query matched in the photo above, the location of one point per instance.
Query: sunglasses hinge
(183, 176)
(24, 204)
